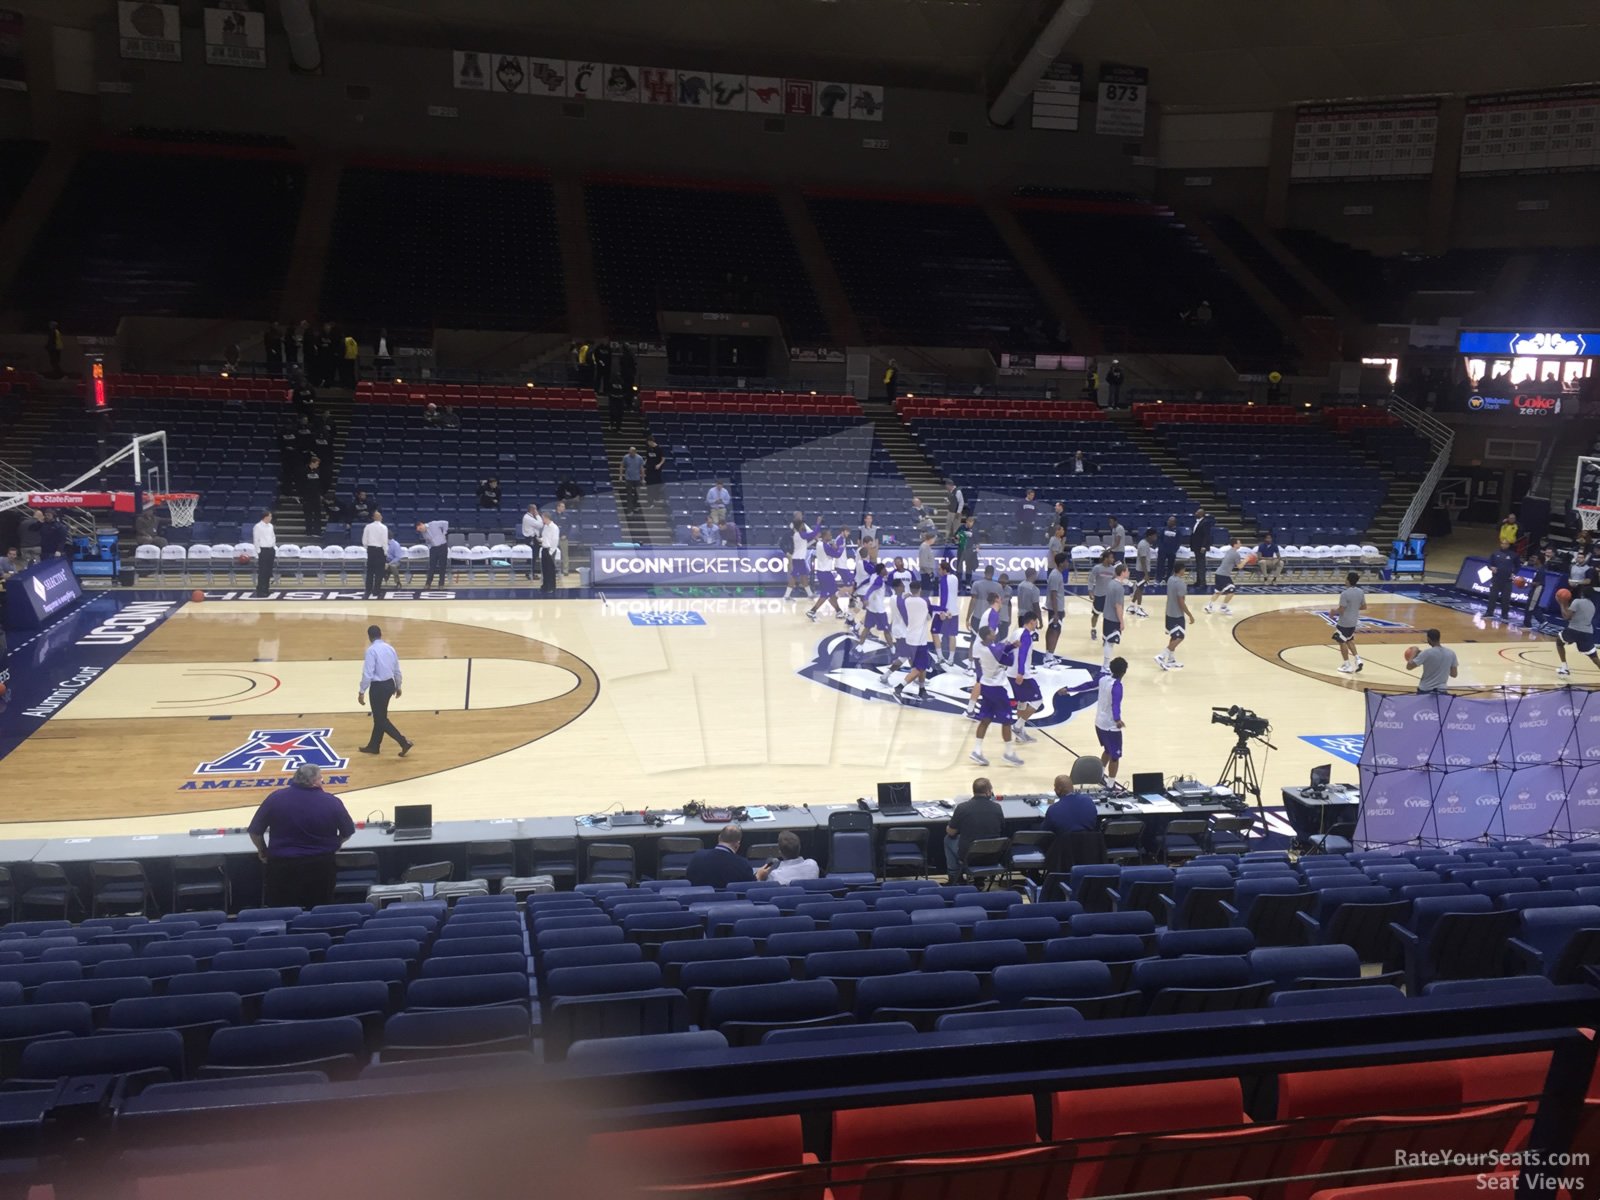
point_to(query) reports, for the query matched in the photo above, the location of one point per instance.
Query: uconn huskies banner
(1438, 768)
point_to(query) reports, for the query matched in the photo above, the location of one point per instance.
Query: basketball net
(1589, 514)
(180, 506)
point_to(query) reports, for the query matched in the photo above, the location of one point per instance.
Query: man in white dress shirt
(549, 554)
(717, 501)
(265, 538)
(532, 524)
(380, 675)
(375, 537)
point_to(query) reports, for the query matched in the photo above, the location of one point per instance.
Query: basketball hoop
(1589, 514)
(181, 506)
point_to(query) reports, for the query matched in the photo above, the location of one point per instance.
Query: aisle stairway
(1204, 495)
(646, 525)
(920, 475)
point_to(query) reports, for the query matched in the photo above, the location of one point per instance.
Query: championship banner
(1124, 97)
(149, 31)
(1057, 97)
(1365, 140)
(236, 34)
(13, 66)
(583, 79)
(1544, 131)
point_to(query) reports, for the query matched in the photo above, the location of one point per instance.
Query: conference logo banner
(149, 31)
(236, 34)
(13, 64)
(584, 79)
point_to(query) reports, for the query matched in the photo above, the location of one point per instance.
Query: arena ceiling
(1202, 54)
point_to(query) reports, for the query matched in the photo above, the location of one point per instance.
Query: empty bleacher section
(226, 451)
(18, 158)
(414, 249)
(696, 249)
(1142, 1029)
(996, 449)
(1382, 288)
(1383, 437)
(930, 273)
(777, 453)
(164, 231)
(1135, 271)
(531, 439)
(1280, 468)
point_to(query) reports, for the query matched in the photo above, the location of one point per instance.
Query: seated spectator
(709, 533)
(1269, 559)
(10, 564)
(364, 505)
(730, 535)
(973, 820)
(1072, 812)
(147, 529)
(489, 493)
(335, 510)
(569, 492)
(722, 864)
(790, 866)
(432, 416)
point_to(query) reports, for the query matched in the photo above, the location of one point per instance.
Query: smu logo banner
(1066, 686)
(291, 747)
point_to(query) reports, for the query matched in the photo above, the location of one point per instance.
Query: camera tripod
(1239, 772)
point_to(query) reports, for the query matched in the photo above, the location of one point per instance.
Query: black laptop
(1148, 783)
(413, 821)
(894, 800)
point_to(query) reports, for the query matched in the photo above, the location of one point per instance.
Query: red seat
(913, 1131)
(751, 1156)
(1505, 1077)
(1456, 1187)
(1217, 1158)
(1090, 1118)
(1373, 1145)
(1040, 1171)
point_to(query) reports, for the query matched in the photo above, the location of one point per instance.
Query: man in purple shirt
(297, 831)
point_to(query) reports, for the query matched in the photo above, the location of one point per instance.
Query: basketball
(197, 595)
(1249, 560)
(1411, 652)
(1564, 595)
(243, 560)
(2, 689)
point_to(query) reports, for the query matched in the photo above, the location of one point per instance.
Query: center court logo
(289, 749)
(1066, 688)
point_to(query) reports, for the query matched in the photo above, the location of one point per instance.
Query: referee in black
(380, 675)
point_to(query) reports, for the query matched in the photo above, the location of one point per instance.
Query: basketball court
(146, 713)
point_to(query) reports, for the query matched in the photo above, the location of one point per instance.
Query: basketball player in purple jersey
(917, 614)
(994, 699)
(1024, 687)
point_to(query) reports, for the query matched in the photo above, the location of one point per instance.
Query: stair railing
(1441, 438)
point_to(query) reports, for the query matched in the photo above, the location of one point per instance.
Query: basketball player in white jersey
(994, 704)
(917, 615)
(900, 653)
(946, 603)
(800, 537)
(875, 596)
(826, 562)
(1024, 687)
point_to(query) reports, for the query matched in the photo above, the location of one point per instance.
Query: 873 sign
(1124, 93)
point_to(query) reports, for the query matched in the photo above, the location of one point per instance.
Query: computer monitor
(1321, 776)
(895, 798)
(1148, 783)
(413, 816)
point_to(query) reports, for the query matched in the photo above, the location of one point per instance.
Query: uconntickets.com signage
(708, 565)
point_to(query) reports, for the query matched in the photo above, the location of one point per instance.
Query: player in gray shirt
(1143, 556)
(1224, 585)
(1437, 664)
(1027, 594)
(1056, 599)
(1099, 576)
(1178, 616)
(1112, 617)
(1345, 621)
(1118, 540)
(1579, 632)
(983, 587)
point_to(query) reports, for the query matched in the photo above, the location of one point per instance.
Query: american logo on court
(291, 748)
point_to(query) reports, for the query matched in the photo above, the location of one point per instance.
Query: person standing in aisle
(306, 825)
(632, 477)
(434, 535)
(1027, 515)
(311, 497)
(380, 675)
(1114, 379)
(375, 538)
(954, 504)
(655, 462)
(1178, 616)
(891, 382)
(265, 538)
